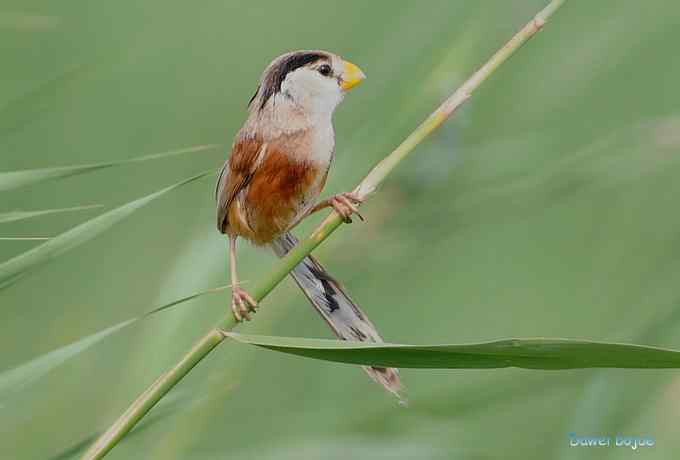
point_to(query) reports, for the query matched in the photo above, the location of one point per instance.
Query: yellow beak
(351, 76)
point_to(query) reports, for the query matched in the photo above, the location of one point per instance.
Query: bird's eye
(325, 70)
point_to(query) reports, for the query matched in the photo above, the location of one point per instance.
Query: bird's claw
(242, 304)
(345, 205)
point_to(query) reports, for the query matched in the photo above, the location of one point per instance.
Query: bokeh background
(546, 207)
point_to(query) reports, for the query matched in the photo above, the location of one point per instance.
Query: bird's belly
(279, 194)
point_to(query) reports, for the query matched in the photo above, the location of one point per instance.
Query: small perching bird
(278, 166)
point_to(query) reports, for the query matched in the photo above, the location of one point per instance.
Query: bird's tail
(343, 316)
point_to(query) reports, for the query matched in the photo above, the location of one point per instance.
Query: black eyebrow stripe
(272, 82)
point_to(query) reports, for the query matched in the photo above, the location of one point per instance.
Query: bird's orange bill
(351, 75)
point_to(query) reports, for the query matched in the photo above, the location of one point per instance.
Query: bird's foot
(242, 304)
(345, 205)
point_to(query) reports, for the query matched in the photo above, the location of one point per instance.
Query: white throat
(317, 96)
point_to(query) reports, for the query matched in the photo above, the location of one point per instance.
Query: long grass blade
(20, 376)
(14, 179)
(17, 378)
(539, 353)
(24, 238)
(13, 216)
(21, 265)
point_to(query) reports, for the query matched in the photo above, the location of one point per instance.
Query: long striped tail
(343, 316)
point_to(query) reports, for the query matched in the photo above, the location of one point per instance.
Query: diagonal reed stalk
(377, 175)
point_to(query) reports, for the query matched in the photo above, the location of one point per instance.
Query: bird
(273, 177)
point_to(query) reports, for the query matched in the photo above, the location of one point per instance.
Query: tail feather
(343, 316)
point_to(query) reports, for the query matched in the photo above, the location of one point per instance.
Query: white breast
(322, 153)
(323, 144)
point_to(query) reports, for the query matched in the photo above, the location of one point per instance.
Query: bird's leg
(343, 203)
(241, 302)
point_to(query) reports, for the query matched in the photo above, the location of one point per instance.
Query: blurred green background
(546, 207)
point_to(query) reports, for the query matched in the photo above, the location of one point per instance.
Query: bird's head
(313, 80)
